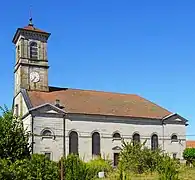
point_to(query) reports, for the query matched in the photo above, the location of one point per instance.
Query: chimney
(57, 103)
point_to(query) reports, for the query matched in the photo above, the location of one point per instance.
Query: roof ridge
(92, 90)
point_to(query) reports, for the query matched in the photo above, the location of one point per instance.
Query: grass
(185, 173)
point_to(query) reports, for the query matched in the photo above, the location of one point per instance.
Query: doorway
(116, 159)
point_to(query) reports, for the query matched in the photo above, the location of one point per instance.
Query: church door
(116, 159)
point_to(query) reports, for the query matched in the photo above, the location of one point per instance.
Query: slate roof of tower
(99, 103)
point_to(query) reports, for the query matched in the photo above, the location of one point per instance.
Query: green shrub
(168, 168)
(96, 165)
(137, 158)
(37, 167)
(74, 168)
(122, 174)
(151, 159)
(189, 155)
(5, 172)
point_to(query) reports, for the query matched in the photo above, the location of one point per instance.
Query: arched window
(33, 50)
(47, 133)
(174, 138)
(73, 143)
(136, 138)
(116, 136)
(95, 143)
(154, 142)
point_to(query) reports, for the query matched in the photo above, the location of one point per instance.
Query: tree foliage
(37, 167)
(5, 172)
(189, 155)
(13, 139)
(140, 159)
(137, 158)
(168, 169)
(97, 165)
(74, 168)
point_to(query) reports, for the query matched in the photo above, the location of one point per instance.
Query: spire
(30, 20)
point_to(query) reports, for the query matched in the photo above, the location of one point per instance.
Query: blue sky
(141, 47)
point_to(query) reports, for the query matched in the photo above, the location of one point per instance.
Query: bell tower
(31, 66)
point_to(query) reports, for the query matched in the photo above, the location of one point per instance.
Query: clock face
(34, 77)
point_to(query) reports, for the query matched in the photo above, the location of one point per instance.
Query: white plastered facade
(61, 124)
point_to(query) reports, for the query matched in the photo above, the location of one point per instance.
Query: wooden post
(62, 170)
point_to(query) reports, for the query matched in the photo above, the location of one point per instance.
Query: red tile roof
(190, 144)
(102, 103)
(32, 28)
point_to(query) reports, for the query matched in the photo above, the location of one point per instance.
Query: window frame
(173, 139)
(136, 140)
(18, 52)
(45, 136)
(174, 155)
(115, 159)
(16, 110)
(96, 144)
(34, 49)
(50, 155)
(72, 149)
(118, 137)
(153, 144)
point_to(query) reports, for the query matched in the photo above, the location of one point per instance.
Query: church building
(87, 122)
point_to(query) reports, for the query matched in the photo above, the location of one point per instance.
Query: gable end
(47, 110)
(175, 119)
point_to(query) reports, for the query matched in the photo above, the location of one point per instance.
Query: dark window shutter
(154, 142)
(73, 143)
(96, 143)
(136, 138)
(116, 159)
(33, 50)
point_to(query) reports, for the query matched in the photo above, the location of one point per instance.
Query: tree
(13, 138)
(189, 155)
(138, 159)
(135, 157)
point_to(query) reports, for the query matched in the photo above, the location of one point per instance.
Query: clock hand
(33, 78)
